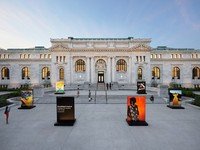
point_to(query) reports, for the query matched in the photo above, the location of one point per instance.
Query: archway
(101, 70)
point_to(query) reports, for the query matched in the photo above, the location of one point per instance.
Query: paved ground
(2, 93)
(101, 126)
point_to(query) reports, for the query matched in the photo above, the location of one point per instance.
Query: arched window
(25, 73)
(176, 72)
(156, 72)
(196, 73)
(80, 65)
(45, 73)
(5, 73)
(121, 65)
(139, 73)
(61, 74)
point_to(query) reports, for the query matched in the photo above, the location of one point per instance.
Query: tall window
(156, 72)
(121, 65)
(61, 74)
(25, 73)
(5, 73)
(45, 73)
(80, 65)
(176, 72)
(196, 73)
(139, 73)
(137, 58)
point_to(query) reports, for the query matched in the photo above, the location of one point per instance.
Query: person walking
(89, 96)
(110, 86)
(152, 98)
(107, 85)
(78, 92)
(7, 111)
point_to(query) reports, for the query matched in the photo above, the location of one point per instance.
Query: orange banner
(136, 108)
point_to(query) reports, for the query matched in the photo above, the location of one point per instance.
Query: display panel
(136, 110)
(60, 87)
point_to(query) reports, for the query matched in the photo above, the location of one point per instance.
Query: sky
(30, 23)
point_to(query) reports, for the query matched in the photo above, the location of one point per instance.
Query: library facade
(99, 60)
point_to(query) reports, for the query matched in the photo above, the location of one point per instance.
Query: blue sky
(27, 23)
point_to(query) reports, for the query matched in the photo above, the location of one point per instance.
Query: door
(100, 77)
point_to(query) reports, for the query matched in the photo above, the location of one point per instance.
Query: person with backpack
(7, 111)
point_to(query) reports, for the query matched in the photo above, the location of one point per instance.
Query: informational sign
(65, 111)
(175, 98)
(136, 110)
(141, 87)
(60, 87)
(26, 99)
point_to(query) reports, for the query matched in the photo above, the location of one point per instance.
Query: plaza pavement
(100, 126)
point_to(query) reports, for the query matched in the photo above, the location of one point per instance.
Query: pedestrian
(78, 92)
(89, 96)
(107, 86)
(152, 98)
(110, 86)
(7, 110)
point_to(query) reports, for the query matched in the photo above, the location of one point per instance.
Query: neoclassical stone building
(93, 60)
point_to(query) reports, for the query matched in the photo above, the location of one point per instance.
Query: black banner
(141, 87)
(65, 111)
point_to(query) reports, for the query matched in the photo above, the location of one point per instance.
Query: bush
(3, 98)
(197, 100)
(154, 83)
(188, 93)
(174, 85)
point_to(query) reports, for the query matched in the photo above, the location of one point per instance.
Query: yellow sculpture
(27, 98)
(175, 99)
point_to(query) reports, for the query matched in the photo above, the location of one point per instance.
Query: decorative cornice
(180, 59)
(24, 60)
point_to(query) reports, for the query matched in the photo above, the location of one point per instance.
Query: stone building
(99, 60)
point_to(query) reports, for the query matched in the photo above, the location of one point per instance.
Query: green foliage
(154, 83)
(174, 85)
(197, 100)
(3, 98)
(188, 93)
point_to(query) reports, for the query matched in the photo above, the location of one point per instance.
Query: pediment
(141, 47)
(59, 47)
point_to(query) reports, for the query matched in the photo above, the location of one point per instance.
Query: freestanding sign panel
(65, 111)
(60, 87)
(141, 87)
(175, 99)
(136, 111)
(26, 99)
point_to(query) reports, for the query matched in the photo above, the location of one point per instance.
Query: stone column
(88, 69)
(71, 69)
(130, 69)
(109, 70)
(92, 66)
(113, 69)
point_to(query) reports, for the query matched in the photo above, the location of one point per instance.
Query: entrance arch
(100, 67)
